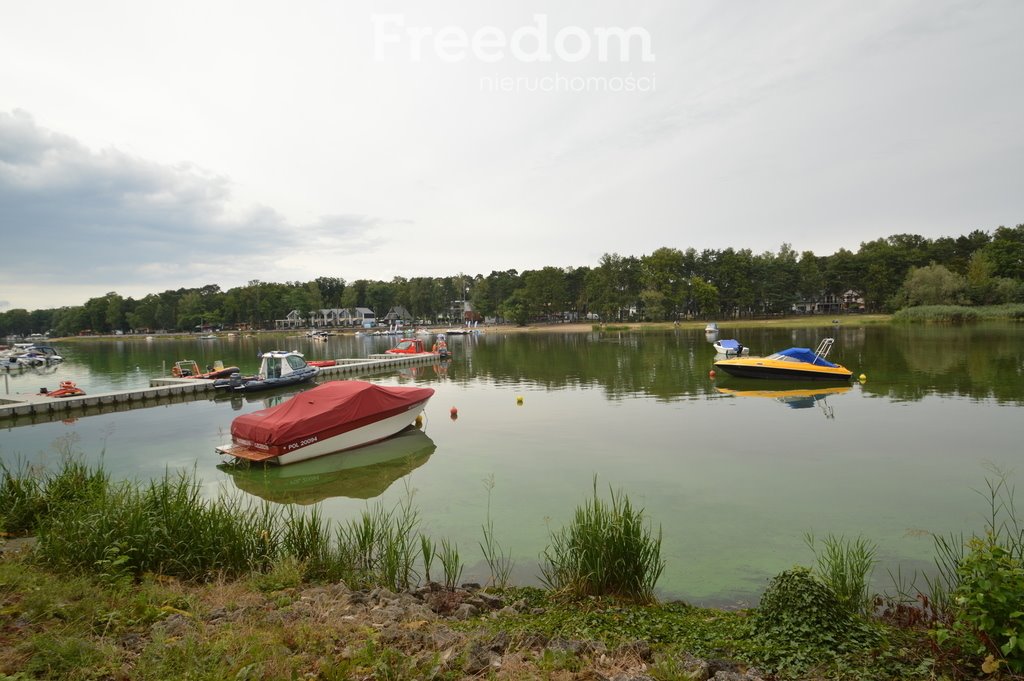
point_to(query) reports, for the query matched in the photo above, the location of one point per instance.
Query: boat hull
(357, 437)
(769, 369)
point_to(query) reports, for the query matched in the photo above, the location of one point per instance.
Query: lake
(734, 471)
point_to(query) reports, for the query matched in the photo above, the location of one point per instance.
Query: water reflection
(794, 397)
(362, 473)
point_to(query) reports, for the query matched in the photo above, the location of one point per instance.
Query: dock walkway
(18, 409)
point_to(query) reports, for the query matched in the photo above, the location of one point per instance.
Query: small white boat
(731, 347)
(329, 418)
(278, 368)
(712, 327)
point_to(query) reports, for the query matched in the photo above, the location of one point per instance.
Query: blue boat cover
(729, 344)
(807, 355)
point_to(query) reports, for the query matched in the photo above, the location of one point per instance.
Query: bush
(799, 607)
(608, 550)
(989, 602)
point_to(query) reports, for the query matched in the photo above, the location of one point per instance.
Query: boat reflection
(794, 397)
(362, 473)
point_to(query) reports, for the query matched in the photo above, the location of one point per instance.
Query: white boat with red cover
(329, 418)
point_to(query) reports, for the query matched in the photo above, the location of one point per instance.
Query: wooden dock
(25, 409)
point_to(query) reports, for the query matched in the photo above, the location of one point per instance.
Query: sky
(154, 146)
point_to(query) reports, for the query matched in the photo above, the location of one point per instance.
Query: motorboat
(362, 473)
(711, 327)
(791, 363)
(278, 368)
(66, 389)
(26, 355)
(329, 418)
(408, 346)
(189, 368)
(730, 346)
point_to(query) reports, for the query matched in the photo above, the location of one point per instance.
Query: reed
(498, 560)
(958, 314)
(427, 552)
(608, 549)
(846, 565)
(381, 546)
(451, 565)
(22, 498)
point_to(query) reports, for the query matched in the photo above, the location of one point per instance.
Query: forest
(885, 275)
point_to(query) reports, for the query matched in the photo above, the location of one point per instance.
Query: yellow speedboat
(792, 363)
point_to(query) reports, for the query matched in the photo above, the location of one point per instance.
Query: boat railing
(823, 348)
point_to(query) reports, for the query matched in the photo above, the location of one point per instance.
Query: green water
(734, 480)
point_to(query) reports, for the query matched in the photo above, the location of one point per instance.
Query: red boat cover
(327, 407)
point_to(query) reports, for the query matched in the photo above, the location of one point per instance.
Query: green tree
(1006, 251)
(931, 285)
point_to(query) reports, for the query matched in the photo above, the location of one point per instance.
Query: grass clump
(608, 550)
(845, 565)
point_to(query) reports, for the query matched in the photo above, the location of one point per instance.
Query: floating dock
(22, 409)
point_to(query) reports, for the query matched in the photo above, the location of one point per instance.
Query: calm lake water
(734, 479)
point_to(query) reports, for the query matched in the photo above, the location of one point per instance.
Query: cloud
(93, 217)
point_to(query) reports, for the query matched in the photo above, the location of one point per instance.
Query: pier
(26, 409)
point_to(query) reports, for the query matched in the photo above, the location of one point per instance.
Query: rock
(480, 659)
(490, 601)
(465, 611)
(470, 586)
(499, 644)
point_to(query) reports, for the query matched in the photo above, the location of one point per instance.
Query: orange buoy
(711, 373)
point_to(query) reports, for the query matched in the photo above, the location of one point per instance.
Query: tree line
(979, 268)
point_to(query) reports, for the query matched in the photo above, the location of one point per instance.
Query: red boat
(321, 362)
(66, 389)
(409, 346)
(329, 418)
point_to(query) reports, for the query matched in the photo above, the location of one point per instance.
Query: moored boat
(189, 368)
(330, 418)
(730, 346)
(278, 368)
(791, 363)
(408, 346)
(66, 389)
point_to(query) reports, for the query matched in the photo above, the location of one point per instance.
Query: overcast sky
(147, 146)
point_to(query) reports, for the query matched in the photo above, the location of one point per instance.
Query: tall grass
(846, 565)
(86, 523)
(958, 314)
(27, 493)
(608, 549)
(498, 560)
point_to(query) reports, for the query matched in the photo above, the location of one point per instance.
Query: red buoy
(711, 373)
(454, 413)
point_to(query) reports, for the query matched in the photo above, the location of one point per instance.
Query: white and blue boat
(731, 347)
(278, 368)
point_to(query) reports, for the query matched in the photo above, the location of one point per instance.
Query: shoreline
(801, 321)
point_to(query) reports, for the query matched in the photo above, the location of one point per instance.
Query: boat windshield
(801, 355)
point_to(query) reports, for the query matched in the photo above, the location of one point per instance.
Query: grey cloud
(109, 216)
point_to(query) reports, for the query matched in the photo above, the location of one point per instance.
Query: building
(292, 320)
